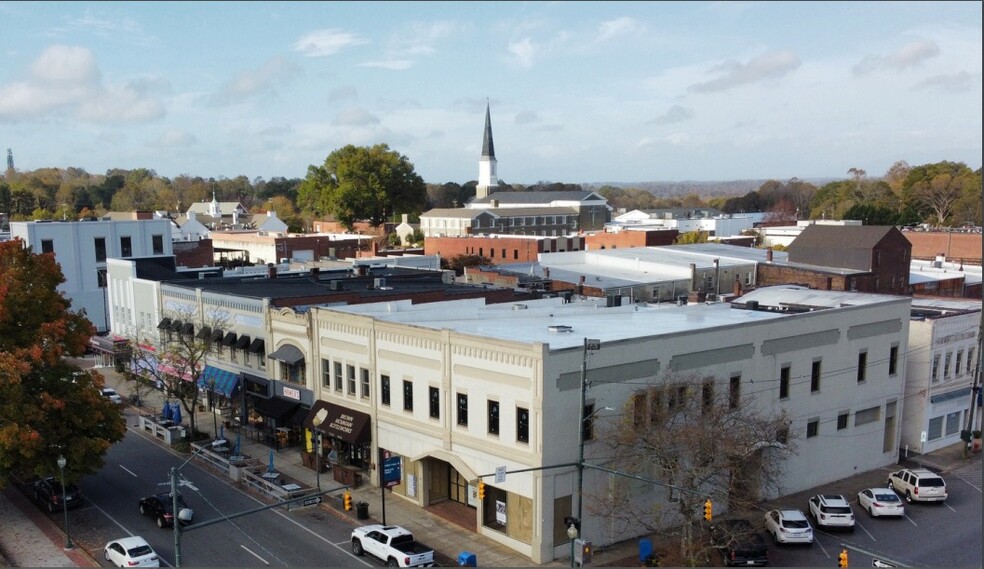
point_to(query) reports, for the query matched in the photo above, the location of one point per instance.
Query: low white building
(942, 359)
(460, 389)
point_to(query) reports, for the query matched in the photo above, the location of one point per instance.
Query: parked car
(918, 485)
(392, 544)
(48, 493)
(832, 511)
(160, 507)
(880, 502)
(112, 395)
(131, 551)
(789, 526)
(739, 542)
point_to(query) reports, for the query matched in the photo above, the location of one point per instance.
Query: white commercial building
(82, 249)
(461, 389)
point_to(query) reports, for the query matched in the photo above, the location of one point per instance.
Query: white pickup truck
(392, 544)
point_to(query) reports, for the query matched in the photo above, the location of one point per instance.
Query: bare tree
(940, 193)
(699, 445)
(174, 356)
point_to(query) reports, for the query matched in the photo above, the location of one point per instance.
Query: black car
(160, 508)
(48, 493)
(739, 542)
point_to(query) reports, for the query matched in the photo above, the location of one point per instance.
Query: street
(138, 467)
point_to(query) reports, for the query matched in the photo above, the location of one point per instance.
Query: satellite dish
(320, 417)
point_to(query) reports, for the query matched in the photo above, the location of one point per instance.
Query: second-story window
(493, 417)
(815, 376)
(158, 244)
(338, 376)
(126, 247)
(522, 425)
(434, 402)
(407, 395)
(350, 375)
(325, 373)
(365, 382)
(47, 246)
(462, 409)
(384, 389)
(100, 245)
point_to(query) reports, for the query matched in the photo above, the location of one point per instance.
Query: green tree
(357, 183)
(936, 188)
(691, 237)
(47, 407)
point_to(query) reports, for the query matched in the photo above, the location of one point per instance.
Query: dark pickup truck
(739, 542)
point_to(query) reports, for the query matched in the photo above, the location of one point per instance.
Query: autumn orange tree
(47, 406)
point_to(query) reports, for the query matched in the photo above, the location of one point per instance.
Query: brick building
(957, 247)
(502, 248)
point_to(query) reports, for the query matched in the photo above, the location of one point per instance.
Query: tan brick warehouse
(956, 247)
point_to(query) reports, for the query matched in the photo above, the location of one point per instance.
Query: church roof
(534, 198)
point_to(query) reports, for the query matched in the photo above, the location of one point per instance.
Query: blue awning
(225, 381)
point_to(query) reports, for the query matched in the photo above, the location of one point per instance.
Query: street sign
(880, 563)
(500, 474)
(592, 344)
(311, 501)
(392, 472)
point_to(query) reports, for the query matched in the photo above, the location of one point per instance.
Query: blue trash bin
(467, 559)
(645, 550)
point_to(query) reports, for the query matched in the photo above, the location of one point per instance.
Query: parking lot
(930, 534)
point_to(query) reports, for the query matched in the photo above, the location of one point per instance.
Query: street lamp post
(589, 344)
(68, 536)
(572, 534)
(174, 504)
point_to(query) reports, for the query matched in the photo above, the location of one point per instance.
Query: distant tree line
(377, 184)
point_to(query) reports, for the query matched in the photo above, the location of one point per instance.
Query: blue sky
(580, 91)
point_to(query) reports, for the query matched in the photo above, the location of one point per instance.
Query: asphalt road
(136, 467)
(930, 534)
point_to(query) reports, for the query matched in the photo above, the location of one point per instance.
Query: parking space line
(949, 506)
(130, 472)
(857, 523)
(822, 548)
(910, 520)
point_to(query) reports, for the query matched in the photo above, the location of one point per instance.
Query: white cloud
(734, 73)
(674, 114)
(355, 117)
(909, 55)
(342, 93)
(956, 82)
(526, 117)
(174, 138)
(274, 72)
(320, 43)
(392, 64)
(524, 51)
(617, 27)
(66, 79)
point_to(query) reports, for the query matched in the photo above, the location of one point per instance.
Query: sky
(579, 92)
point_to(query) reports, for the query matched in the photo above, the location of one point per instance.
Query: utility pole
(975, 390)
(589, 344)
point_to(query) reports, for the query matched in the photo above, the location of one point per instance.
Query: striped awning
(225, 382)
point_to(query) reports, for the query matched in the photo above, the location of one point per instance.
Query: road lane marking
(265, 562)
(949, 506)
(910, 520)
(865, 531)
(132, 473)
(122, 527)
(822, 548)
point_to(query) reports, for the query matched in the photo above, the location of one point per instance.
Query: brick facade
(954, 246)
(502, 249)
(627, 239)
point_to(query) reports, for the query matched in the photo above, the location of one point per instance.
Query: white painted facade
(82, 249)
(941, 360)
(508, 354)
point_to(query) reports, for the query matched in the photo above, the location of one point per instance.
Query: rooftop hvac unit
(681, 300)
(519, 307)
(752, 305)
(560, 328)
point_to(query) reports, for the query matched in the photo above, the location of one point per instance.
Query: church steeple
(488, 181)
(488, 148)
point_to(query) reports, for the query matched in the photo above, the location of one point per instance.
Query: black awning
(176, 326)
(258, 346)
(288, 354)
(205, 332)
(165, 324)
(242, 342)
(255, 385)
(274, 408)
(188, 328)
(230, 339)
(217, 335)
(341, 422)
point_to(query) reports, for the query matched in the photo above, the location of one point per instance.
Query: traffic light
(481, 490)
(708, 510)
(347, 500)
(842, 558)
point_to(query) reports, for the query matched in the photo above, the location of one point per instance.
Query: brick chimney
(737, 286)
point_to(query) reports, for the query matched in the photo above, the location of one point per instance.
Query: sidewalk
(29, 538)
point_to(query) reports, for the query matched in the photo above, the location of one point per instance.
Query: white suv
(832, 511)
(918, 485)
